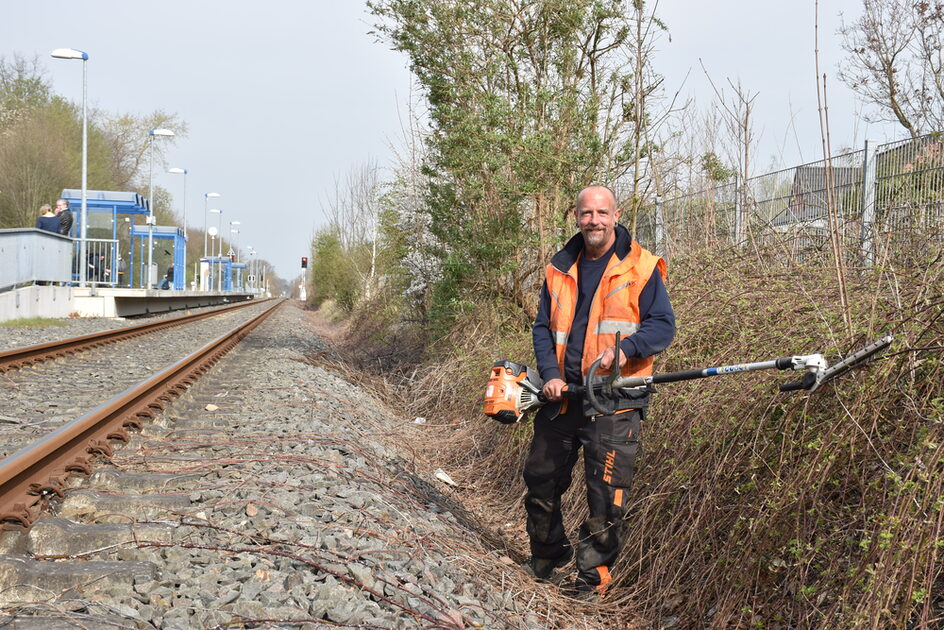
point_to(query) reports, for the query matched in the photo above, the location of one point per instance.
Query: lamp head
(161, 132)
(212, 195)
(69, 53)
(177, 171)
(216, 211)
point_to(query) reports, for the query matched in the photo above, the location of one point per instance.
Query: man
(65, 216)
(601, 283)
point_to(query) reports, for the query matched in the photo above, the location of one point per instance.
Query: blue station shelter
(118, 203)
(162, 232)
(103, 202)
(222, 265)
(240, 269)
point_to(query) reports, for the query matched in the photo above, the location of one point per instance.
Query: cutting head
(853, 361)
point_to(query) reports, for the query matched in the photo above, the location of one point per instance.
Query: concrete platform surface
(108, 302)
(58, 302)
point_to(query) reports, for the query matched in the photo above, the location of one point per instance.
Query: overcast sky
(283, 96)
(769, 46)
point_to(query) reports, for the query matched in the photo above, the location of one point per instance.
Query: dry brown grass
(753, 508)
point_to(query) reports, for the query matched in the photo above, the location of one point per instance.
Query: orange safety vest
(615, 307)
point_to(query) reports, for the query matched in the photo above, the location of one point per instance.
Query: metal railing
(909, 191)
(102, 263)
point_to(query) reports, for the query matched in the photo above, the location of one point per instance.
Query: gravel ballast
(291, 506)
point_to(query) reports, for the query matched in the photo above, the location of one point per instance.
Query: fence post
(660, 236)
(737, 210)
(867, 236)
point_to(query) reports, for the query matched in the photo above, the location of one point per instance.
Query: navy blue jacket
(49, 224)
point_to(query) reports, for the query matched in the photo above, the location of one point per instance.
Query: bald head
(595, 196)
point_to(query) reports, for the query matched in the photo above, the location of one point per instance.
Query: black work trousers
(611, 445)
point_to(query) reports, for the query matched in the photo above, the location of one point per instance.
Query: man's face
(597, 214)
(60, 206)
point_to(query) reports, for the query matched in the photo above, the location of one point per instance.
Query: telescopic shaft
(809, 361)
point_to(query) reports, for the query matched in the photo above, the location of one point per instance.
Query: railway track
(27, 355)
(267, 493)
(41, 395)
(29, 476)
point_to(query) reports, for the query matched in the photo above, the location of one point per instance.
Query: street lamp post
(234, 229)
(206, 196)
(252, 254)
(217, 231)
(71, 53)
(235, 244)
(183, 171)
(212, 280)
(166, 133)
(219, 257)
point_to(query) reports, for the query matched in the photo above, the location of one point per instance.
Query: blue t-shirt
(50, 224)
(589, 273)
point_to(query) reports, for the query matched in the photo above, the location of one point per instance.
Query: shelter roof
(160, 231)
(107, 200)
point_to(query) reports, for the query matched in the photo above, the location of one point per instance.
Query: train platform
(57, 302)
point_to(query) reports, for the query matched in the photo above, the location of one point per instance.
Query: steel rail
(27, 355)
(29, 477)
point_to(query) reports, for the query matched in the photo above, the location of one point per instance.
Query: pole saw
(514, 389)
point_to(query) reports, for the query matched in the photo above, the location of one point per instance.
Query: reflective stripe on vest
(612, 326)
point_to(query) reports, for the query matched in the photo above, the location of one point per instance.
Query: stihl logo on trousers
(608, 466)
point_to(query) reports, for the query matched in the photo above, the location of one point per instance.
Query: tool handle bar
(574, 391)
(571, 390)
(809, 380)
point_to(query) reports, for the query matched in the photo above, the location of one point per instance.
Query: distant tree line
(41, 150)
(41, 144)
(895, 62)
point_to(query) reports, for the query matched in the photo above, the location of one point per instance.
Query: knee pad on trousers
(601, 534)
(540, 517)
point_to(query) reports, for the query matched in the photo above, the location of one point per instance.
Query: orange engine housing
(512, 389)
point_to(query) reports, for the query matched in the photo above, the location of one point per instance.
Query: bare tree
(406, 198)
(895, 61)
(735, 110)
(126, 136)
(33, 169)
(355, 217)
(23, 87)
(645, 29)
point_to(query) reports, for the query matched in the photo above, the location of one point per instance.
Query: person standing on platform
(65, 216)
(47, 221)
